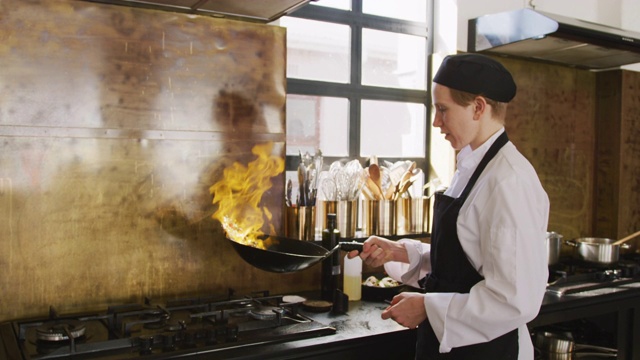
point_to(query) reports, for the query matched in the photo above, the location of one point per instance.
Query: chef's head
(471, 75)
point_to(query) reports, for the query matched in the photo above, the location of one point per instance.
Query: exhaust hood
(552, 38)
(261, 11)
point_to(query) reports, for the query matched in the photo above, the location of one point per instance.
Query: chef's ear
(479, 107)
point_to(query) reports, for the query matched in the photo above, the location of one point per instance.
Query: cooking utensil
(554, 244)
(285, 255)
(624, 239)
(597, 250)
(289, 192)
(560, 345)
(374, 175)
(302, 191)
(374, 189)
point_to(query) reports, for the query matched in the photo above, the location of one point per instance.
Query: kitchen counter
(360, 333)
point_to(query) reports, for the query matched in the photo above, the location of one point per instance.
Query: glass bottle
(331, 265)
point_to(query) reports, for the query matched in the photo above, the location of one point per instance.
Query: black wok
(285, 255)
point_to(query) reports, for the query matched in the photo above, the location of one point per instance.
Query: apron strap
(493, 150)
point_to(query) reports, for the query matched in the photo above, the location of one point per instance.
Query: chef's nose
(437, 121)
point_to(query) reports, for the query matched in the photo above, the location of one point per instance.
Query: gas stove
(173, 329)
(573, 276)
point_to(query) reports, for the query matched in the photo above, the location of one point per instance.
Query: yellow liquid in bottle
(353, 287)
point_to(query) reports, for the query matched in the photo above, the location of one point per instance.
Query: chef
(485, 269)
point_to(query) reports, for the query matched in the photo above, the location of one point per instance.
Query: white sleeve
(419, 263)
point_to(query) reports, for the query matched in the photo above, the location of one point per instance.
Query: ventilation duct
(555, 39)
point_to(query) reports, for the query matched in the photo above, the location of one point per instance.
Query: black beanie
(478, 75)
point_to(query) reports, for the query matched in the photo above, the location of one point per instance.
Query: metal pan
(285, 255)
(561, 346)
(597, 250)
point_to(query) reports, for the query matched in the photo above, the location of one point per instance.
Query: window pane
(337, 4)
(411, 10)
(317, 50)
(317, 122)
(393, 60)
(392, 129)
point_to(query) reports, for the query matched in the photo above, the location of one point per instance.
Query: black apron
(452, 272)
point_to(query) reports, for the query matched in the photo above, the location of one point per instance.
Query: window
(357, 80)
(317, 50)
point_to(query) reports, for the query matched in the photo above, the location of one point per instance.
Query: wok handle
(350, 246)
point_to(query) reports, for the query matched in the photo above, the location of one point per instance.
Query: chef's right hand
(376, 251)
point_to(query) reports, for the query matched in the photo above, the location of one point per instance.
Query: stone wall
(114, 123)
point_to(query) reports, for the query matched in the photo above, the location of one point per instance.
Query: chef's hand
(376, 251)
(407, 309)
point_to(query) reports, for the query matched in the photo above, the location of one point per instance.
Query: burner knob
(232, 332)
(146, 344)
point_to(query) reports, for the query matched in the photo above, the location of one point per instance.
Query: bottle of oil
(330, 266)
(353, 278)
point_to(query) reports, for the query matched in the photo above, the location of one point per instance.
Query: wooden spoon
(374, 174)
(389, 194)
(402, 189)
(626, 238)
(375, 190)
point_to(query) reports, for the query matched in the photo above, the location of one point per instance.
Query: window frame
(354, 91)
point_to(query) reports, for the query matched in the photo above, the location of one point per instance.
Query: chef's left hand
(407, 309)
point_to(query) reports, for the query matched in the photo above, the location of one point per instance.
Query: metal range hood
(261, 11)
(555, 39)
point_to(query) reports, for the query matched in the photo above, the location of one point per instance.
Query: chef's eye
(440, 109)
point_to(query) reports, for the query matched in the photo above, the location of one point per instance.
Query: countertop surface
(361, 328)
(363, 319)
(361, 323)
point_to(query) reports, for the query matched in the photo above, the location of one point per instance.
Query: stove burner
(578, 280)
(154, 325)
(163, 331)
(242, 308)
(265, 312)
(60, 330)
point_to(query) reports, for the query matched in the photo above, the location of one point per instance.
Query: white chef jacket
(502, 229)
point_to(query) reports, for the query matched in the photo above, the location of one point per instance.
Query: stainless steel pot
(597, 250)
(561, 346)
(554, 243)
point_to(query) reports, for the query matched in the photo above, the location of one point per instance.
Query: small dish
(377, 293)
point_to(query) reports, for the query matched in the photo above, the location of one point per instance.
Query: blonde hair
(463, 98)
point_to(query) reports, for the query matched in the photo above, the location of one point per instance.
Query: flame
(239, 193)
